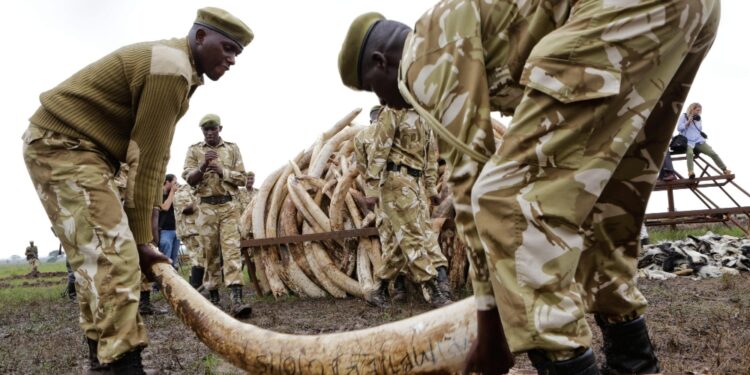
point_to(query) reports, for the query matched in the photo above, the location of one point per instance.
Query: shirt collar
(195, 79)
(204, 144)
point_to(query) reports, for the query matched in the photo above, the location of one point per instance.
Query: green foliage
(211, 362)
(24, 268)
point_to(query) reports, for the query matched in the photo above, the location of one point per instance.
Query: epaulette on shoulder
(166, 60)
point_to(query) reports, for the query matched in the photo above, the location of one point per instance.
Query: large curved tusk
(307, 206)
(259, 231)
(288, 222)
(323, 279)
(338, 200)
(341, 124)
(318, 165)
(435, 342)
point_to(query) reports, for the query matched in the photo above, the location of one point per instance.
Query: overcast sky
(284, 89)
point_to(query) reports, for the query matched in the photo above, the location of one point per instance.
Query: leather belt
(216, 199)
(391, 166)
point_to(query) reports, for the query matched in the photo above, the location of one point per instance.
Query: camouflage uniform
(244, 197)
(430, 186)
(558, 207)
(32, 255)
(121, 180)
(186, 229)
(83, 203)
(218, 224)
(400, 138)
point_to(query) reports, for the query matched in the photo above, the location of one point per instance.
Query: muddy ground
(698, 327)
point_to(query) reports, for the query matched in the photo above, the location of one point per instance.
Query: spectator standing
(169, 244)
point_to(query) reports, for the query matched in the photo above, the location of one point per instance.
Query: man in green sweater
(122, 108)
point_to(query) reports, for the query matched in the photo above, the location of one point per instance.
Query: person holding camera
(691, 126)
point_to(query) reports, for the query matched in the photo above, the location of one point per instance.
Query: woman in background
(691, 127)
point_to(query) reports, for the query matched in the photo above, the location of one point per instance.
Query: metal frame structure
(713, 212)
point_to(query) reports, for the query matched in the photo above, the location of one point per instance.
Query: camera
(696, 117)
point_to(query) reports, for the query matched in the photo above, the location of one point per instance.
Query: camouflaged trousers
(559, 206)
(34, 263)
(404, 234)
(390, 245)
(75, 182)
(219, 241)
(195, 252)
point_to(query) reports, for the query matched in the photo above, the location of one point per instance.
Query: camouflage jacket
(32, 252)
(466, 58)
(362, 144)
(229, 158)
(185, 224)
(244, 197)
(401, 137)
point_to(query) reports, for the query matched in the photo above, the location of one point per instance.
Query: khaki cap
(221, 21)
(351, 50)
(210, 119)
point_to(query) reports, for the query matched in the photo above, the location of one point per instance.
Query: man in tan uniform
(398, 155)
(364, 143)
(121, 108)
(32, 256)
(551, 217)
(214, 168)
(246, 192)
(186, 213)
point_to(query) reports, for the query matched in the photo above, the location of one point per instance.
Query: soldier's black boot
(437, 299)
(379, 296)
(71, 291)
(584, 364)
(94, 366)
(196, 276)
(627, 348)
(399, 289)
(240, 309)
(443, 282)
(213, 296)
(129, 364)
(145, 307)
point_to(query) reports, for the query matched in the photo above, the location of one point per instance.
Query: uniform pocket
(570, 81)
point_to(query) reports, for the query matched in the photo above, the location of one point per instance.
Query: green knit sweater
(128, 103)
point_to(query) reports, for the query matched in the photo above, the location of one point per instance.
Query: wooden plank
(336, 235)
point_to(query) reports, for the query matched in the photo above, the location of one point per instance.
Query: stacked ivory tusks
(320, 191)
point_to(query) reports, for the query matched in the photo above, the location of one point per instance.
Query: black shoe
(378, 297)
(196, 276)
(240, 310)
(146, 308)
(70, 291)
(437, 298)
(443, 282)
(584, 364)
(627, 348)
(95, 367)
(213, 296)
(129, 364)
(399, 289)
